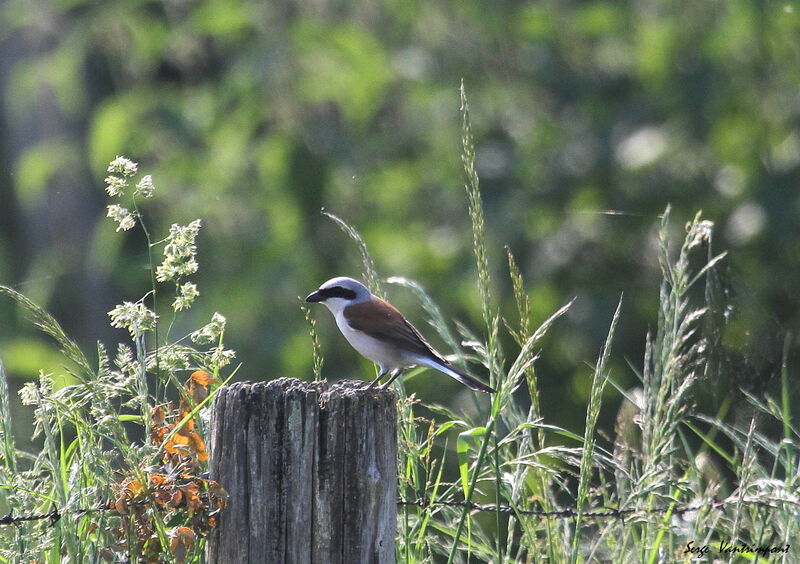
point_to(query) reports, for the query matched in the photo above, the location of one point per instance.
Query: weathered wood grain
(311, 473)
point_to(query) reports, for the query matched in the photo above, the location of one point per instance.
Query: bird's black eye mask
(336, 292)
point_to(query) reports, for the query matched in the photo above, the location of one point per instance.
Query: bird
(379, 332)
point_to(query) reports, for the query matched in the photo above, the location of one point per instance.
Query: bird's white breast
(374, 349)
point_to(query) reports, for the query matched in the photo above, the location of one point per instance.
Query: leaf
(159, 417)
(120, 506)
(134, 487)
(177, 444)
(192, 493)
(202, 378)
(181, 541)
(198, 393)
(198, 446)
(187, 427)
(462, 449)
(217, 493)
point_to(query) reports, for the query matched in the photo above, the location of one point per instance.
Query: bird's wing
(381, 320)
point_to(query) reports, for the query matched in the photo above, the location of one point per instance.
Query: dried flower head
(29, 394)
(186, 295)
(221, 356)
(172, 357)
(123, 166)
(211, 332)
(115, 186)
(122, 216)
(145, 187)
(134, 317)
(179, 252)
(32, 394)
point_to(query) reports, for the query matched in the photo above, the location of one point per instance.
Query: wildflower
(134, 317)
(221, 356)
(124, 360)
(122, 216)
(115, 186)
(179, 252)
(210, 332)
(144, 187)
(45, 383)
(127, 368)
(172, 357)
(123, 166)
(29, 394)
(187, 294)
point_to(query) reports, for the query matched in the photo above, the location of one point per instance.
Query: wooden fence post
(311, 470)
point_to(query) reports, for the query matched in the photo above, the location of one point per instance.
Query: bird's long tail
(465, 379)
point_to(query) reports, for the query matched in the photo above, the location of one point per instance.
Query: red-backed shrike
(380, 333)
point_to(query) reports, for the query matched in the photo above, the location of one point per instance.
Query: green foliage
(594, 117)
(667, 490)
(119, 462)
(256, 115)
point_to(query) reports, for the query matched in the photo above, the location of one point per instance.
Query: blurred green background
(255, 115)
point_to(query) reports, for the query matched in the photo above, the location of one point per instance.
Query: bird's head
(338, 293)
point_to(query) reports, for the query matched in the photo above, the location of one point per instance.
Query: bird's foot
(395, 374)
(375, 381)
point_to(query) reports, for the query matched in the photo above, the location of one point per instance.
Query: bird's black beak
(315, 297)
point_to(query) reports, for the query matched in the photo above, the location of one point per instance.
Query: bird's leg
(395, 373)
(378, 379)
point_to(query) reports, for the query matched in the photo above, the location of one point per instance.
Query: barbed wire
(571, 512)
(55, 514)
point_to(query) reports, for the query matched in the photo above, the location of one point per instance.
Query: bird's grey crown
(347, 288)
